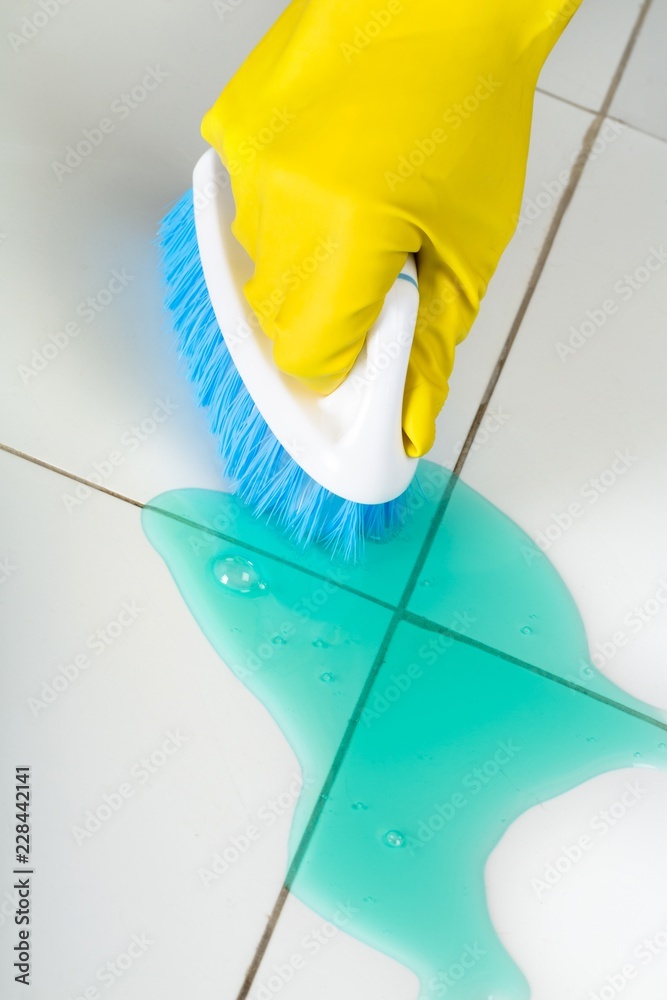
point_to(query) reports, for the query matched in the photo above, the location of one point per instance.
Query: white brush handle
(350, 442)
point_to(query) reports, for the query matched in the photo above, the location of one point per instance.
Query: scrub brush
(330, 470)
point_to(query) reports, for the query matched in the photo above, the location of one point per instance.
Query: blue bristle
(265, 476)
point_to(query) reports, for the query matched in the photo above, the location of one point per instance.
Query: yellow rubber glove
(359, 131)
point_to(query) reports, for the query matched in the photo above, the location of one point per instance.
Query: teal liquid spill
(478, 710)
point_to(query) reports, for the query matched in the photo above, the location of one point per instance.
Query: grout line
(613, 118)
(199, 527)
(425, 548)
(314, 817)
(565, 100)
(68, 475)
(263, 944)
(271, 555)
(636, 128)
(575, 176)
(428, 625)
(562, 207)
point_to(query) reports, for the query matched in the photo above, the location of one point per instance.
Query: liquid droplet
(370, 899)
(591, 739)
(661, 746)
(637, 754)
(327, 677)
(359, 805)
(239, 575)
(532, 616)
(527, 630)
(394, 838)
(278, 640)
(426, 583)
(331, 635)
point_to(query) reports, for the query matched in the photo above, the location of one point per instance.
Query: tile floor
(108, 681)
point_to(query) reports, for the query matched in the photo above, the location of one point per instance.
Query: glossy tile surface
(557, 133)
(584, 61)
(641, 99)
(582, 464)
(163, 791)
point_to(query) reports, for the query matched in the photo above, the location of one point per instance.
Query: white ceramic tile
(641, 98)
(556, 138)
(102, 661)
(79, 380)
(309, 956)
(581, 465)
(577, 886)
(585, 58)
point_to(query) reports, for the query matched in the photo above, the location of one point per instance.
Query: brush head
(261, 469)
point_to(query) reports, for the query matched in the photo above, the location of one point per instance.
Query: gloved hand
(360, 130)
